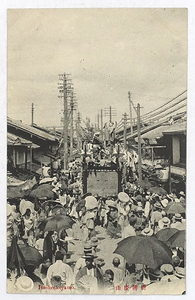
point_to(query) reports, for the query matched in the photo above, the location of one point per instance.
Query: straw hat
(180, 272)
(157, 205)
(156, 273)
(182, 193)
(25, 284)
(24, 205)
(88, 247)
(178, 217)
(147, 231)
(167, 269)
(164, 202)
(123, 197)
(91, 202)
(164, 222)
(112, 204)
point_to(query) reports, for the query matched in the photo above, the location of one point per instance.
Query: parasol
(164, 234)
(57, 222)
(157, 190)
(174, 208)
(145, 250)
(43, 190)
(178, 239)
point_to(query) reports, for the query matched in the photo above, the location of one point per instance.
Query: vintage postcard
(96, 151)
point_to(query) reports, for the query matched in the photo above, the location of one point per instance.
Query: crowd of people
(135, 211)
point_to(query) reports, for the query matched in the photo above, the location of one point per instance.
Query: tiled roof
(179, 127)
(14, 140)
(27, 128)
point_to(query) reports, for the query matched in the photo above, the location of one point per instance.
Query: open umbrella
(174, 208)
(157, 190)
(178, 239)
(58, 222)
(144, 183)
(32, 255)
(22, 255)
(174, 287)
(144, 250)
(164, 234)
(50, 202)
(43, 190)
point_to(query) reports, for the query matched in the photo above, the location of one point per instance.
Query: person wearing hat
(90, 269)
(24, 284)
(182, 198)
(123, 209)
(129, 229)
(164, 223)
(156, 215)
(113, 228)
(180, 272)
(168, 272)
(178, 224)
(155, 275)
(141, 220)
(60, 268)
(147, 231)
(81, 261)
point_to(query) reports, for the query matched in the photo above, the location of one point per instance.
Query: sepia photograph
(96, 151)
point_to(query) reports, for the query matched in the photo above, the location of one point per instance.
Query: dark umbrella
(144, 250)
(43, 190)
(22, 256)
(50, 202)
(178, 239)
(174, 208)
(58, 222)
(32, 255)
(14, 192)
(164, 234)
(157, 190)
(144, 184)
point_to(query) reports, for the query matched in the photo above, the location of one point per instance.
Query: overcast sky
(108, 52)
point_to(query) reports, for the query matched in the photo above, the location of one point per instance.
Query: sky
(108, 52)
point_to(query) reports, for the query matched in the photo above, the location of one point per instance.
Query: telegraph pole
(139, 143)
(130, 113)
(125, 130)
(98, 121)
(71, 123)
(64, 89)
(110, 109)
(32, 115)
(78, 128)
(102, 125)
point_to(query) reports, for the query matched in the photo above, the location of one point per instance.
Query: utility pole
(139, 143)
(65, 89)
(98, 121)
(125, 130)
(102, 125)
(78, 128)
(32, 115)
(130, 113)
(71, 123)
(110, 114)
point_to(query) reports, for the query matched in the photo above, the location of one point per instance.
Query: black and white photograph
(96, 151)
